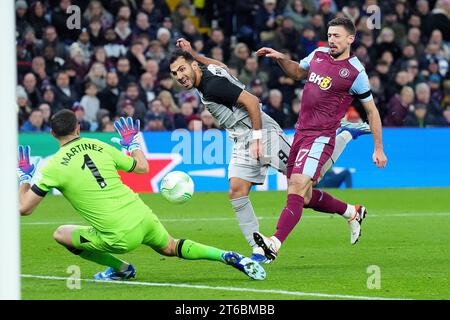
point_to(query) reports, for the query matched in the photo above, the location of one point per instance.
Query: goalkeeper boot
(111, 274)
(355, 223)
(251, 268)
(270, 245)
(355, 129)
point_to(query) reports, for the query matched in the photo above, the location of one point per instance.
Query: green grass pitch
(406, 235)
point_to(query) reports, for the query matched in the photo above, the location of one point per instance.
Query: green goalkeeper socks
(105, 259)
(191, 250)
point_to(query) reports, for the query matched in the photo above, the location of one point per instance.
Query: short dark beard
(337, 54)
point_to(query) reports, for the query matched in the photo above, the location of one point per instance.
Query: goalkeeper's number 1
(94, 170)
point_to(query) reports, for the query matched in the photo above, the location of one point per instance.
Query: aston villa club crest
(344, 72)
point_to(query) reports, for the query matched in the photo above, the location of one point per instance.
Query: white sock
(277, 242)
(350, 212)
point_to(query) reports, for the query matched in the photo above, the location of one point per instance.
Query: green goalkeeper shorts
(149, 231)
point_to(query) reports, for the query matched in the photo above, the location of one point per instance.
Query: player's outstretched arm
(185, 45)
(28, 200)
(129, 139)
(290, 67)
(379, 158)
(251, 103)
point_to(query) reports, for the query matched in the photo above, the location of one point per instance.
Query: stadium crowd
(116, 63)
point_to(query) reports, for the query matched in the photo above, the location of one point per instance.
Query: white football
(177, 187)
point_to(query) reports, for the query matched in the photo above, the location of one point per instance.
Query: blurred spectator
(385, 42)
(39, 71)
(109, 97)
(168, 103)
(24, 108)
(308, 41)
(420, 117)
(85, 45)
(97, 75)
(147, 87)
(35, 123)
(126, 109)
(96, 36)
(136, 59)
(179, 16)
(164, 37)
(96, 11)
(252, 71)
(414, 38)
(113, 48)
(124, 73)
(258, 89)
(245, 21)
(266, 20)
(143, 26)
(240, 54)
(423, 96)
(208, 121)
(436, 95)
(285, 34)
(65, 95)
(181, 119)
(166, 82)
(279, 80)
(157, 119)
(131, 94)
(398, 107)
(276, 109)
(152, 67)
(439, 19)
(298, 13)
(103, 118)
(352, 11)
(152, 11)
(36, 18)
(46, 113)
(23, 57)
(30, 85)
(90, 102)
(217, 54)
(21, 21)
(218, 40)
(390, 21)
(78, 109)
(123, 31)
(48, 96)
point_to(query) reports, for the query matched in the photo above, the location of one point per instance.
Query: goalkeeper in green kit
(85, 171)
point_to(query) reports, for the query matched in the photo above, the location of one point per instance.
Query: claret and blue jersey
(330, 88)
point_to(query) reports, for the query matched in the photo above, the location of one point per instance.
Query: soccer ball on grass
(177, 187)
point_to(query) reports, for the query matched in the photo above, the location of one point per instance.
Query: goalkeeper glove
(129, 133)
(26, 169)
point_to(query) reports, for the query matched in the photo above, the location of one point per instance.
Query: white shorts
(275, 154)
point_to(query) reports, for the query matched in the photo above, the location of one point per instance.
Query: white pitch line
(212, 219)
(190, 286)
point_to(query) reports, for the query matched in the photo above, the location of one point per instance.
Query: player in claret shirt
(334, 79)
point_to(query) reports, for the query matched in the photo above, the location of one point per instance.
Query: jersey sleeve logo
(324, 83)
(344, 72)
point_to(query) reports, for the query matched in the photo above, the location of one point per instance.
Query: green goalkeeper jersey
(85, 171)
